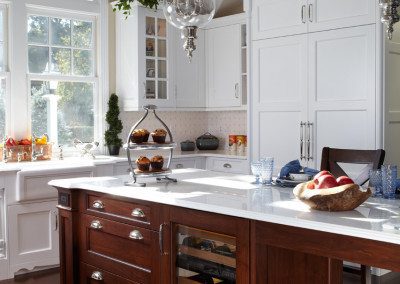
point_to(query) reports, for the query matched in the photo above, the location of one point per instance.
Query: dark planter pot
(113, 150)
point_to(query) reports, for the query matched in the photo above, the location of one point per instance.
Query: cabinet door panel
(328, 14)
(274, 18)
(190, 76)
(279, 97)
(342, 88)
(33, 235)
(223, 58)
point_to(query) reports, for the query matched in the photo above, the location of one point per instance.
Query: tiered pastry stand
(162, 175)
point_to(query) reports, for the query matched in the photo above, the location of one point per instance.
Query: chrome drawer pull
(135, 235)
(137, 212)
(96, 225)
(179, 166)
(97, 275)
(98, 204)
(227, 166)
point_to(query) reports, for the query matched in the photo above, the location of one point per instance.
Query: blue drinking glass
(375, 182)
(267, 170)
(256, 168)
(389, 180)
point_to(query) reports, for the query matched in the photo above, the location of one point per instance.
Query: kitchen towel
(293, 167)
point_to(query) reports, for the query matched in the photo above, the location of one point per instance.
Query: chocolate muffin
(139, 136)
(157, 163)
(143, 164)
(159, 135)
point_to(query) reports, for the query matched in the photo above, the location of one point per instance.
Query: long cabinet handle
(309, 130)
(302, 156)
(310, 13)
(303, 14)
(161, 239)
(236, 90)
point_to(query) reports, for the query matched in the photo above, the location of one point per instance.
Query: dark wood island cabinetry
(213, 229)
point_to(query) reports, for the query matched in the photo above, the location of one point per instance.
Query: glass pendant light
(189, 15)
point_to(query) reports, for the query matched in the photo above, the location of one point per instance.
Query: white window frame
(95, 79)
(5, 8)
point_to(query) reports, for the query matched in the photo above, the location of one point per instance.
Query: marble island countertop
(235, 195)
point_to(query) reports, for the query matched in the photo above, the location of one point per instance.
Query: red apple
(320, 174)
(326, 181)
(344, 180)
(310, 185)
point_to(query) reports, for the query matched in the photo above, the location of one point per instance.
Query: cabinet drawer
(183, 163)
(91, 274)
(129, 251)
(227, 165)
(139, 213)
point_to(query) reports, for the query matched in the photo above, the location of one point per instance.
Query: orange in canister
(241, 141)
(232, 143)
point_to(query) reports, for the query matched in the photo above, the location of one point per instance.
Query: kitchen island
(113, 232)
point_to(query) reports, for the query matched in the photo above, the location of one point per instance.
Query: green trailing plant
(126, 5)
(115, 124)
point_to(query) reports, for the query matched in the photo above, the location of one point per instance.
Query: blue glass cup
(256, 168)
(389, 180)
(267, 170)
(375, 182)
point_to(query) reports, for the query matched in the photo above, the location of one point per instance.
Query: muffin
(157, 163)
(139, 136)
(159, 135)
(143, 164)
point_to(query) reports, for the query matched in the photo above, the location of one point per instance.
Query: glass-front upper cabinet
(144, 56)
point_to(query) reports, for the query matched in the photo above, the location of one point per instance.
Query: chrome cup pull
(97, 275)
(227, 166)
(137, 212)
(96, 225)
(98, 204)
(135, 235)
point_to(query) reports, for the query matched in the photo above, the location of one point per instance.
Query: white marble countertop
(235, 195)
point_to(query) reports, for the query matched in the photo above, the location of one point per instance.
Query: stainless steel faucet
(86, 149)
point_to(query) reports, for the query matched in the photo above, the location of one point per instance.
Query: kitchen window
(62, 77)
(4, 77)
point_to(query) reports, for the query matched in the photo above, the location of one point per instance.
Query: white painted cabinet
(276, 18)
(324, 78)
(190, 80)
(279, 97)
(342, 88)
(33, 235)
(223, 66)
(144, 59)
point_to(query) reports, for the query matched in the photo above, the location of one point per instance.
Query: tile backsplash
(190, 125)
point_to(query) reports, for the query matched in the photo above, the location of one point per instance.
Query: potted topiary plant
(112, 140)
(126, 5)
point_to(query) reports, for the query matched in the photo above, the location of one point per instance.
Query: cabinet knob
(98, 204)
(179, 166)
(97, 275)
(137, 212)
(96, 225)
(227, 166)
(135, 235)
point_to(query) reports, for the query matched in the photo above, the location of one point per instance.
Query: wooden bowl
(341, 198)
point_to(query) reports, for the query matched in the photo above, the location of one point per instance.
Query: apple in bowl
(327, 193)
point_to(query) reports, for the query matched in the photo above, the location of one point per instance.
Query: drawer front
(183, 163)
(36, 187)
(92, 275)
(227, 165)
(129, 251)
(137, 213)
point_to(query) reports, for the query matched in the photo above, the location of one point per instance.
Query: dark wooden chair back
(331, 157)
